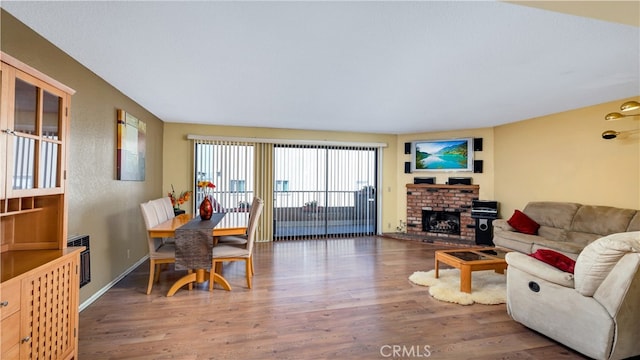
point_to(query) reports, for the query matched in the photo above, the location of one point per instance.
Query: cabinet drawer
(9, 294)
(10, 332)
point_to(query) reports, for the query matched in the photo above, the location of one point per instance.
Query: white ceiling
(368, 66)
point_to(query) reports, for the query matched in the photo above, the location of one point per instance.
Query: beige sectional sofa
(565, 227)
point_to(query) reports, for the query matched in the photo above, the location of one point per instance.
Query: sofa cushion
(581, 238)
(601, 220)
(514, 240)
(569, 249)
(555, 259)
(552, 233)
(522, 223)
(550, 213)
(598, 258)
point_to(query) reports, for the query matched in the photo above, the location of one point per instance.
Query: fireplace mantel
(443, 186)
(440, 197)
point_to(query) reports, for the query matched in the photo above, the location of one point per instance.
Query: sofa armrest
(618, 285)
(502, 224)
(539, 269)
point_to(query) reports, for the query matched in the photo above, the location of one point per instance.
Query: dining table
(194, 240)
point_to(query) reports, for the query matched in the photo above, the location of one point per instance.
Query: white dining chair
(223, 253)
(240, 240)
(159, 252)
(164, 212)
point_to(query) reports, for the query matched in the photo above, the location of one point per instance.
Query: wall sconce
(612, 134)
(628, 106)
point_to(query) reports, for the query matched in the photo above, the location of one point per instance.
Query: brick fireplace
(442, 212)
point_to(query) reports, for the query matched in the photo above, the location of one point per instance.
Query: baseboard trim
(101, 292)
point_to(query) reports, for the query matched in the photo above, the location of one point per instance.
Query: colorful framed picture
(131, 151)
(442, 155)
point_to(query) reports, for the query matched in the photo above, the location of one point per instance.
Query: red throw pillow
(522, 223)
(555, 259)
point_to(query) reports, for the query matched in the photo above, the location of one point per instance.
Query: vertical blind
(237, 170)
(324, 191)
(310, 191)
(24, 174)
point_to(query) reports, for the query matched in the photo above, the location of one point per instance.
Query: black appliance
(459, 181)
(484, 209)
(424, 180)
(85, 257)
(484, 212)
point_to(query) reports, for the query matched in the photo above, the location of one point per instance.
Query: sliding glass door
(324, 191)
(309, 191)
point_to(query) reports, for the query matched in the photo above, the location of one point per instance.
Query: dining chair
(222, 253)
(217, 207)
(159, 252)
(240, 240)
(164, 212)
(168, 207)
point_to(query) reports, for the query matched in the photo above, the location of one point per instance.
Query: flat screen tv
(442, 155)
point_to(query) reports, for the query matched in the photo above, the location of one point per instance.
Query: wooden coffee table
(469, 260)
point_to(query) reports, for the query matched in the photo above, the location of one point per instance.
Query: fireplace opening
(443, 222)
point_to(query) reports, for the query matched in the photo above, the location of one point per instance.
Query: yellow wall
(562, 157)
(99, 205)
(178, 156)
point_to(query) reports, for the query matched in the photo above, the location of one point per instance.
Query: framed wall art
(442, 155)
(131, 150)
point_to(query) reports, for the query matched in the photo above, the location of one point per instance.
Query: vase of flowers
(206, 208)
(176, 201)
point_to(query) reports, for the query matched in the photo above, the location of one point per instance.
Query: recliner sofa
(595, 310)
(565, 227)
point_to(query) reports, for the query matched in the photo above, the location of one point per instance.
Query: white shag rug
(487, 287)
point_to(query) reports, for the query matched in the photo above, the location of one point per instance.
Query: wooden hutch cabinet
(39, 285)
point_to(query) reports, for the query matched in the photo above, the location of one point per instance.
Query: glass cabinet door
(34, 137)
(4, 93)
(52, 107)
(24, 146)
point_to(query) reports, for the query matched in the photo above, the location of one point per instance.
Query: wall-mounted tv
(442, 155)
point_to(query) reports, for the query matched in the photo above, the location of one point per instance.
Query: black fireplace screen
(443, 222)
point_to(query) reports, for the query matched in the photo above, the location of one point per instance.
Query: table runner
(194, 243)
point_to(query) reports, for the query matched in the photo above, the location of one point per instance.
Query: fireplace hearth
(441, 212)
(442, 222)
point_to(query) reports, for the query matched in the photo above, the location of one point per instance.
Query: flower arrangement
(207, 187)
(177, 201)
(206, 208)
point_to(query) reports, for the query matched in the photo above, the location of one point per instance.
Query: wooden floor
(315, 299)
